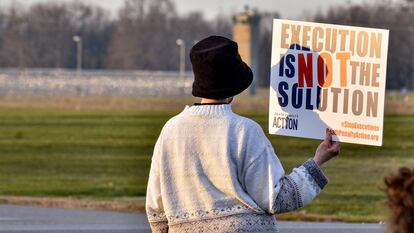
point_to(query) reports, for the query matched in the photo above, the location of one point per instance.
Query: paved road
(20, 219)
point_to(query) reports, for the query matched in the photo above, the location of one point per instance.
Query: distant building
(246, 34)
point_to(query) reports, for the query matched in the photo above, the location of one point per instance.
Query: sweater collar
(215, 103)
(209, 110)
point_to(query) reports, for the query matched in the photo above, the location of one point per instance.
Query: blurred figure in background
(400, 200)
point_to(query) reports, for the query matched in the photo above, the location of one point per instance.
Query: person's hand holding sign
(327, 149)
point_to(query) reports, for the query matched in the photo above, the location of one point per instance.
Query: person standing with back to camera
(215, 171)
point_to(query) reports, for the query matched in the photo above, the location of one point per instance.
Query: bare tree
(13, 46)
(146, 32)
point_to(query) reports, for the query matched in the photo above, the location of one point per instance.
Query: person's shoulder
(253, 134)
(176, 121)
(246, 124)
(173, 121)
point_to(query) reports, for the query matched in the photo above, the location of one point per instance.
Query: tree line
(143, 33)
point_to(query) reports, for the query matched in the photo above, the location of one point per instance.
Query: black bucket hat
(219, 71)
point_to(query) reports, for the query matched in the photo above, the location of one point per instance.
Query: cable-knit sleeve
(299, 188)
(265, 181)
(154, 205)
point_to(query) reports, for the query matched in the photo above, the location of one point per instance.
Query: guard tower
(246, 34)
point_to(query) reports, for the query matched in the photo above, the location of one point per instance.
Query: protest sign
(328, 76)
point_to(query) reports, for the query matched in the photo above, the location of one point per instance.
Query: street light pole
(181, 44)
(78, 40)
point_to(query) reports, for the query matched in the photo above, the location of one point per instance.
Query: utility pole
(181, 44)
(78, 40)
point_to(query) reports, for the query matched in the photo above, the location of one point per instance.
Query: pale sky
(291, 9)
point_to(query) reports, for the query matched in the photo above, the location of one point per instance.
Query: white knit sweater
(215, 171)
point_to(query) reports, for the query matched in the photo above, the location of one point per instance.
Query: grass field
(104, 154)
(72, 153)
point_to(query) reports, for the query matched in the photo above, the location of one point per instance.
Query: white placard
(328, 76)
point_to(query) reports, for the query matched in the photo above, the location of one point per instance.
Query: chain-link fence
(52, 82)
